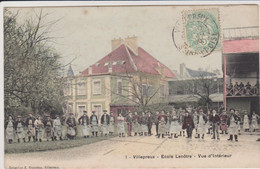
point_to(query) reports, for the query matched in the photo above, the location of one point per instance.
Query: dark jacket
(204, 118)
(91, 117)
(150, 120)
(214, 119)
(28, 119)
(136, 118)
(143, 119)
(82, 118)
(46, 123)
(188, 121)
(165, 117)
(71, 122)
(17, 122)
(103, 118)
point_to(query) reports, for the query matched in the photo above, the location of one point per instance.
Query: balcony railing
(242, 91)
(241, 33)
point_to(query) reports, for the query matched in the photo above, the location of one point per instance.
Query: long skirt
(162, 129)
(48, 131)
(168, 126)
(136, 127)
(144, 128)
(121, 127)
(223, 126)
(254, 124)
(111, 128)
(31, 131)
(175, 127)
(246, 124)
(39, 133)
(201, 128)
(94, 128)
(233, 129)
(20, 133)
(10, 133)
(105, 129)
(85, 130)
(71, 132)
(57, 131)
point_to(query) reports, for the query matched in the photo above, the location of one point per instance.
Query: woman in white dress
(39, 128)
(254, 124)
(121, 125)
(201, 126)
(9, 128)
(175, 127)
(246, 122)
(19, 124)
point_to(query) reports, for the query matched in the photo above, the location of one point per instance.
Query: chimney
(181, 69)
(131, 42)
(116, 43)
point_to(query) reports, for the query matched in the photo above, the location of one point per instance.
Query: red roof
(241, 46)
(123, 59)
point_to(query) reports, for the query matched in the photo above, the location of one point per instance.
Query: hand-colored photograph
(131, 86)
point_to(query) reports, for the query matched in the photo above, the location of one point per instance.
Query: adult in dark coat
(156, 120)
(84, 122)
(188, 124)
(72, 126)
(105, 119)
(233, 122)
(215, 120)
(150, 121)
(30, 125)
(129, 121)
(94, 123)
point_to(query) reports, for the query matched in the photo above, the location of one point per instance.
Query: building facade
(126, 78)
(241, 68)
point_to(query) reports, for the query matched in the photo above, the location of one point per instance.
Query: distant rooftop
(241, 33)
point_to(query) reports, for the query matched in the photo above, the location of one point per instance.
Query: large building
(241, 68)
(126, 78)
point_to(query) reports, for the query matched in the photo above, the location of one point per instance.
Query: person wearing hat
(215, 120)
(84, 122)
(223, 121)
(111, 123)
(143, 122)
(72, 126)
(121, 125)
(19, 124)
(38, 128)
(94, 124)
(105, 123)
(232, 123)
(188, 124)
(9, 128)
(48, 128)
(30, 126)
(129, 120)
(246, 122)
(162, 124)
(202, 121)
(57, 128)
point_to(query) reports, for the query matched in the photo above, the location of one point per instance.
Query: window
(98, 109)
(81, 88)
(67, 91)
(81, 108)
(162, 91)
(119, 86)
(96, 87)
(147, 90)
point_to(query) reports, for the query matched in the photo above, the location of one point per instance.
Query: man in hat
(84, 122)
(9, 128)
(223, 121)
(72, 126)
(215, 120)
(111, 123)
(129, 120)
(150, 121)
(19, 124)
(94, 123)
(48, 128)
(30, 125)
(188, 124)
(105, 123)
(39, 128)
(233, 122)
(57, 128)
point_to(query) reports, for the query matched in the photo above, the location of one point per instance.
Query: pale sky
(86, 32)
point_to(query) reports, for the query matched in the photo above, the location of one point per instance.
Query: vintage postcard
(131, 85)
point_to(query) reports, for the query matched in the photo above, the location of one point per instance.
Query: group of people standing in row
(174, 124)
